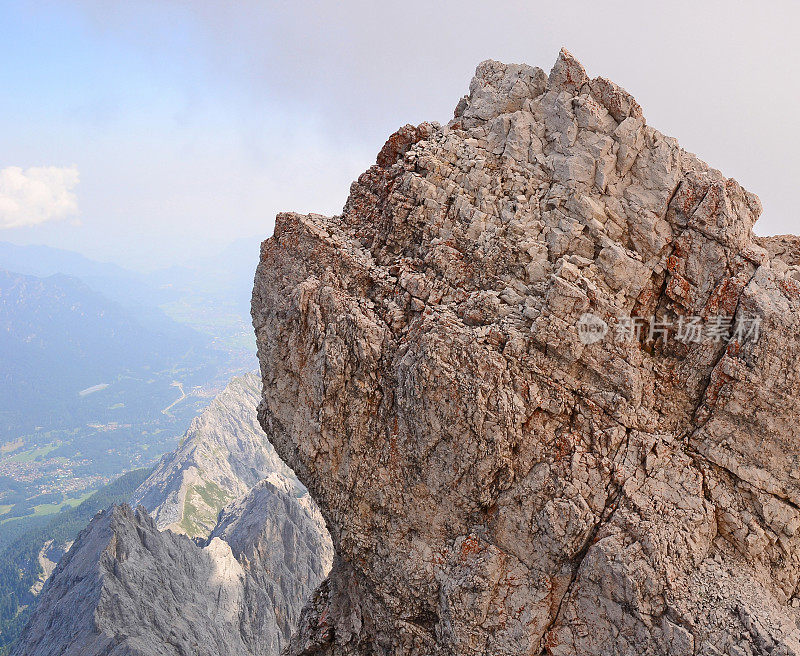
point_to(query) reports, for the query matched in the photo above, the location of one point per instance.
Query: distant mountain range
(110, 279)
(224, 279)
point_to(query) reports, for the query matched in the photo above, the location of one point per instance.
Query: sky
(151, 133)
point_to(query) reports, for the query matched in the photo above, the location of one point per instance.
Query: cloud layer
(36, 195)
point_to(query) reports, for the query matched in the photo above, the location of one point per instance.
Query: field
(121, 427)
(34, 454)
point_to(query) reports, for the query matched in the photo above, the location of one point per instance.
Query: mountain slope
(59, 337)
(223, 455)
(73, 335)
(280, 537)
(134, 590)
(22, 559)
(126, 588)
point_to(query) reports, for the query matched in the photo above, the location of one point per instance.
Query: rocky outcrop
(48, 558)
(126, 588)
(131, 589)
(541, 379)
(279, 536)
(222, 456)
(784, 248)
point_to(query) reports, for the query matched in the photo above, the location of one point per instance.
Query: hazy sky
(149, 132)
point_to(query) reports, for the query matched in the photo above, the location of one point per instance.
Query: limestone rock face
(126, 588)
(505, 465)
(222, 456)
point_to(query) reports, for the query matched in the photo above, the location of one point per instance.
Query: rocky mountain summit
(222, 456)
(541, 378)
(127, 588)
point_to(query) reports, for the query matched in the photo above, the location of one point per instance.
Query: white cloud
(36, 195)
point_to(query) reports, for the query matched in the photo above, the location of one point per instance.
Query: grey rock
(223, 455)
(132, 584)
(126, 588)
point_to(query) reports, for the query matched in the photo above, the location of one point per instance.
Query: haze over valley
(104, 368)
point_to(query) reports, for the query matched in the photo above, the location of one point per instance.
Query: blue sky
(174, 158)
(191, 123)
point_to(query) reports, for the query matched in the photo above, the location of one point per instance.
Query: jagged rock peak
(541, 379)
(220, 458)
(126, 588)
(295, 552)
(120, 575)
(499, 88)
